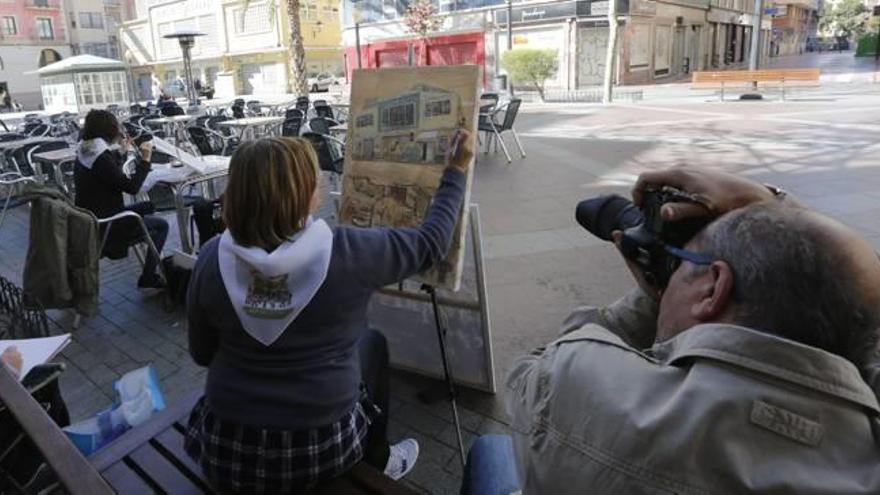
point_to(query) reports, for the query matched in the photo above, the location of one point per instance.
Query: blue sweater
(310, 376)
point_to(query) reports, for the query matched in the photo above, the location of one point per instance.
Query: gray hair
(790, 282)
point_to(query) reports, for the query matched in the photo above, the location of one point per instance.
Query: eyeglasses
(679, 254)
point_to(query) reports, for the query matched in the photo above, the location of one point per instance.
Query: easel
(428, 294)
(430, 395)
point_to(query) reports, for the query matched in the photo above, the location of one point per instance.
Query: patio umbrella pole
(447, 375)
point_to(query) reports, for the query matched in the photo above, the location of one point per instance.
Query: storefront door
(591, 51)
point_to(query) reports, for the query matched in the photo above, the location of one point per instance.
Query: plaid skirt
(248, 459)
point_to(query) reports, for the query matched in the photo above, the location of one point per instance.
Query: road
(823, 145)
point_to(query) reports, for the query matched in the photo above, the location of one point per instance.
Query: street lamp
(187, 39)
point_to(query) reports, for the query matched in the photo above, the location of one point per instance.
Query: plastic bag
(138, 396)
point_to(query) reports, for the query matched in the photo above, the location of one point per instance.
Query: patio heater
(187, 39)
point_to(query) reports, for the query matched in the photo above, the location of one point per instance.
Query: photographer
(742, 373)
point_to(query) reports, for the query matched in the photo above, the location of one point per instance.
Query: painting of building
(414, 127)
(400, 132)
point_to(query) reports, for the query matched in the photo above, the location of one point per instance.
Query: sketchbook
(35, 352)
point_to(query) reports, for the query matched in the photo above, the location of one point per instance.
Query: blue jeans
(491, 467)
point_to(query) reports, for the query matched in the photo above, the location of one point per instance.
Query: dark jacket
(310, 376)
(61, 270)
(99, 189)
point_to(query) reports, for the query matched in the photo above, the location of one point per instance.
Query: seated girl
(100, 182)
(297, 388)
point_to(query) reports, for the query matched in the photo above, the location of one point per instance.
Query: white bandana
(269, 290)
(89, 151)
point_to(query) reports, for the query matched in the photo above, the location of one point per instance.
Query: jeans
(373, 353)
(491, 467)
(126, 232)
(158, 229)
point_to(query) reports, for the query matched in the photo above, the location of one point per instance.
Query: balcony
(805, 4)
(43, 4)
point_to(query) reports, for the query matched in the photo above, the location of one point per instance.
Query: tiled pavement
(822, 146)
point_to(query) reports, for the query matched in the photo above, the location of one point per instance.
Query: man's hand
(637, 274)
(12, 359)
(716, 192)
(461, 151)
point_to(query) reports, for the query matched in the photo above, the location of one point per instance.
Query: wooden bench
(741, 78)
(146, 459)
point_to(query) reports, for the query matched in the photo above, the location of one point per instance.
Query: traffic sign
(771, 10)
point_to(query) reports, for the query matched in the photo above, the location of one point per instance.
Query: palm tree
(296, 78)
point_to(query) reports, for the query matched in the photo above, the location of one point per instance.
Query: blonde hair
(270, 189)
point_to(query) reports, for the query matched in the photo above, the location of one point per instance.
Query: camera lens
(605, 214)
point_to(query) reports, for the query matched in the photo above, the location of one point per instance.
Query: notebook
(36, 351)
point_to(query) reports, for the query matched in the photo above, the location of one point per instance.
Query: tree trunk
(296, 78)
(540, 87)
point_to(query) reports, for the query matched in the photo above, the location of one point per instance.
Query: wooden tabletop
(251, 121)
(61, 155)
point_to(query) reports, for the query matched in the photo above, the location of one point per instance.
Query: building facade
(32, 34)
(794, 23)
(94, 25)
(244, 49)
(658, 41)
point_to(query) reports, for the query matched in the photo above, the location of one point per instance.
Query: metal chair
(321, 125)
(330, 151)
(40, 148)
(322, 109)
(294, 112)
(494, 129)
(37, 129)
(172, 110)
(11, 181)
(291, 126)
(210, 142)
(254, 107)
(302, 104)
(18, 156)
(106, 224)
(200, 121)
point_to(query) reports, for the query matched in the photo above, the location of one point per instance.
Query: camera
(645, 234)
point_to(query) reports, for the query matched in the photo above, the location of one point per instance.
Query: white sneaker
(402, 459)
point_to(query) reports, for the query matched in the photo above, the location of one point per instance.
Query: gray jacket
(61, 270)
(717, 409)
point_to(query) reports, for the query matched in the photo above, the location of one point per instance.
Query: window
(86, 88)
(91, 20)
(308, 12)
(9, 27)
(111, 3)
(399, 116)
(434, 108)
(253, 20)
(365, 120)
(44, 28)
